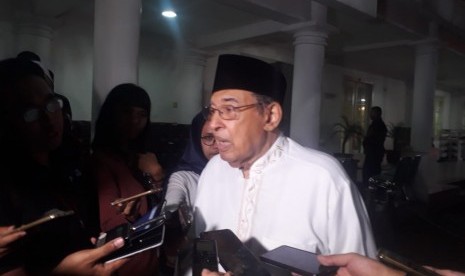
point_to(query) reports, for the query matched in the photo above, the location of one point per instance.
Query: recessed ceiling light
(169, 14)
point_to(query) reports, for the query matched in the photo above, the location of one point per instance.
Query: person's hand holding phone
(86, 262)
(130, 209)
(353, 264)
(206, 272)
(7, 236)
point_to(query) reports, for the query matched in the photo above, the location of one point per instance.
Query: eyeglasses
(33, 114)
(226, 112)
(208, 140)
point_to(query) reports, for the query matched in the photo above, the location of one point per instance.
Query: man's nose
(215, 120)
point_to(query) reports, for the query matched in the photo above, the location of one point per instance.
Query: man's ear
(274, 115)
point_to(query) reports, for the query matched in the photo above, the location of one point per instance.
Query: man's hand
(206, 272)
(353, 264)
(7, 236)
(86, 262)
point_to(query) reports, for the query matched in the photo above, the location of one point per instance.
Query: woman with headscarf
(182, 183)
(123, 168)
(182, 186)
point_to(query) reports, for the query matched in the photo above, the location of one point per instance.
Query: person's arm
(86, 262)
(353, 264)
(108, 191)
(7, 236)
(348, 226)
(182, 186)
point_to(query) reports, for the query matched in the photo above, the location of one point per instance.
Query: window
(357, 104)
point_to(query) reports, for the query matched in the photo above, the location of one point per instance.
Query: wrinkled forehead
(231, 96)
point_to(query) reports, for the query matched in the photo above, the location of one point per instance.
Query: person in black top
(38, 175)
(373, 145)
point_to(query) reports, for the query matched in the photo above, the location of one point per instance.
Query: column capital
(310, 32)
(35, 25)
(427, 46)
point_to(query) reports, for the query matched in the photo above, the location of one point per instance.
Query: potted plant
(348, 131)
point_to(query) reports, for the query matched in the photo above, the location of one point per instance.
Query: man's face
(240, 142)
(38, 120)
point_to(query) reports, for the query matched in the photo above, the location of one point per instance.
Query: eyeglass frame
(208, 140)
(208, 111)
(46, 108)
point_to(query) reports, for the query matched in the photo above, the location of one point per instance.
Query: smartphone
(298, 261)
(146, 193)
(399, 262)
(146, 233)
(233, 255)
(205, 255)
(49, 216)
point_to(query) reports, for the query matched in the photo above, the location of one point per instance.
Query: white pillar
(306, 86)
(423, 95)
(35, 37)
(189, 87)
(116, 47)
(309, 52)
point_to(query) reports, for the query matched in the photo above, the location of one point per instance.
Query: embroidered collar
(271, 156)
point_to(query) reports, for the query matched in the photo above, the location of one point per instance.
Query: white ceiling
(360, 42)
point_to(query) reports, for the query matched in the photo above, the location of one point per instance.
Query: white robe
(294, 196)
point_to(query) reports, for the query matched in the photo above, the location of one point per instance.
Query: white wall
(72, 55)
(158, 67)
(72, 65)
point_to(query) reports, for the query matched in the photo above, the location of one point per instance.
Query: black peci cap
(246, 73)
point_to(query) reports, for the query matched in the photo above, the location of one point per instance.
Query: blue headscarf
(193, 158)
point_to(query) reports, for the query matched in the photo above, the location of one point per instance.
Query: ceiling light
(169, 14)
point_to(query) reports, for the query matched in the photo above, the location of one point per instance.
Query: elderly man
(266, 188)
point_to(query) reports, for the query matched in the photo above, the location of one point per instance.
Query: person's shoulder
(215, 161)
(311, 161)
(182, 175)
(309, 155)
(217, 167)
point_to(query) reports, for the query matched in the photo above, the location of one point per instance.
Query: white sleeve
(182, 186)
(350, 228)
